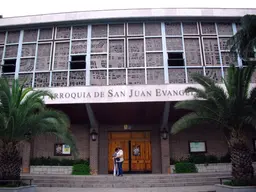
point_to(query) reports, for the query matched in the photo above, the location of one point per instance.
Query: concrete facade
(121, 56)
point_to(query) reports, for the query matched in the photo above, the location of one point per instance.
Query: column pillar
(26, 157)
(94, 153)
(165, 154)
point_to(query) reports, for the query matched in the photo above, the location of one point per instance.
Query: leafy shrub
(56, 162)
(185, 168)
(225, 158)
(212, 159)
(251, 182)
(197, 159)
(81, 169)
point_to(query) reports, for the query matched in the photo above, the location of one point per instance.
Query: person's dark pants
(120, 168)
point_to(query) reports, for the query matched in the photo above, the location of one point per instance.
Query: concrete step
(127, 181)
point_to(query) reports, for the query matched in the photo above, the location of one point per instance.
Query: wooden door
(140, 156)
(128, 141)
(120, 142)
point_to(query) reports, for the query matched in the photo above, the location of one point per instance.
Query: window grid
(126, 35)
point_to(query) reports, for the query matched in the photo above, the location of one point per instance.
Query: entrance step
(127, 181)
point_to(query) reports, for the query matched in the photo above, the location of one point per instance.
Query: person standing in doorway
(119, 159)
(115, 171)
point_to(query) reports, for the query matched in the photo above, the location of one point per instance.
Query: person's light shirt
(120, 154)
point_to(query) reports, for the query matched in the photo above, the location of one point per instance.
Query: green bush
(251, 182)
(225, 158)
(212, 159)
(81, 169)
(197, 159)
(185, 167)
(56, 162)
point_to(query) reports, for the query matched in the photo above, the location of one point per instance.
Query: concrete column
(94, 154)
(165, 154)
(26, 157)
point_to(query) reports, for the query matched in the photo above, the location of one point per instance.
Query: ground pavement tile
(161, 189)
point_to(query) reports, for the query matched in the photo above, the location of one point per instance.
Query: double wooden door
(137, 150)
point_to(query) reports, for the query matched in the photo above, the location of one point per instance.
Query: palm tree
(24, 115)
(230, 107)
(244, 41)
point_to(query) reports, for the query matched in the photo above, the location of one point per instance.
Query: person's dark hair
(116, 149)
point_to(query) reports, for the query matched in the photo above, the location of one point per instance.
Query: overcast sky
(9, 8)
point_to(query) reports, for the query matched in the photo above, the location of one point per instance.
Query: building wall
(118, 53)
(43, 146)
(215, 141)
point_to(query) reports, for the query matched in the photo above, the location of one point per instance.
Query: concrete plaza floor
(207, 188)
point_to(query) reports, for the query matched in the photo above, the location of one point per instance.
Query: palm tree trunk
(241, 158)
(10, 162)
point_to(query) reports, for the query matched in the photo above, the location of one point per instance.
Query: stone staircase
(127, 181)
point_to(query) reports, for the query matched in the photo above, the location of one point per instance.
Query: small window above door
(78, 62)
(175, 59)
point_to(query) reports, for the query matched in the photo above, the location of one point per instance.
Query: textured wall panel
(191, 71)
(211, 52)
(43, 57)
(42, 79)
(2, 37)
(225, 29)
(99, 46)
(192, 50)
(59, 79)
(27, 64)
(116, 53)
(116, 30)
(228, 58)
(174, 43)
(99, 31)
(154, 59)
(155, 76)
(154, 44)
(63, 33)
(208, 28)
(1, 53)
(177, 76)
(117, 77)
(11, 51)
(136, 52)
(98, 77)
(45, 34)
(136, 76)
(79, 47)
(79, 32)
(135, 29)
(172, 29)
(77, 78)
(98, 61)
(214, 73)
(190, 28)
(13, 36)
(153, 29)
(28, 50)
(30, 35)
(27, 78)
(224, 44)
(61, 56)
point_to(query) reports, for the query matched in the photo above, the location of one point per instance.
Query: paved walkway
(162, 189)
